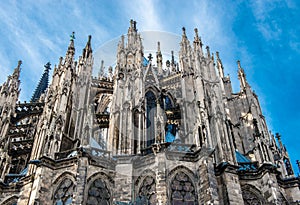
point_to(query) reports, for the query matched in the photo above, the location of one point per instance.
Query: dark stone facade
(140, 134)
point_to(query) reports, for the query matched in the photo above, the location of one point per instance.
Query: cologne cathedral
(147, 131)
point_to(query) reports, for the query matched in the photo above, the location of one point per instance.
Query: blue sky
(264, 35)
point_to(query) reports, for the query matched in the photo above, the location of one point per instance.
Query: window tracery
(98, 193)
(182, 190)
(148, 190)
(251, 196)
(64, 193)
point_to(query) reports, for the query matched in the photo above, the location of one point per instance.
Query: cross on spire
(72, 36)
(150, 57)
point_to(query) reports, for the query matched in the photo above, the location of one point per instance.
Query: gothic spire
(277, 135)
(220, 66)
(184, 41)
(159, 58)
(17, 71)
(208, 51)
(132, 33)
(197, 42)
(14, 79)
(101, 70)
(185, 53)
(71, 48)
(242, 76)
(43, 84)
(88, 48)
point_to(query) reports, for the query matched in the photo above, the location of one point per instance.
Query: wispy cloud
(145, 13)
(266, 24)
(256, 32)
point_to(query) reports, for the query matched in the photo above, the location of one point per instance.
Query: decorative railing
(20, 147)
(248, 166)
(26, 109)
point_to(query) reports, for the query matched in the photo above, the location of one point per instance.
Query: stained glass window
(148, 190)
(151, 113)
(98, 193)
(64, 193)
(250, 198)
(182, 190)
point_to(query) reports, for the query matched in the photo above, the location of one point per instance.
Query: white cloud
(262, 10)
(145, 13)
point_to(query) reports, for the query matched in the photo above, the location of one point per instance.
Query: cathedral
(147, 131)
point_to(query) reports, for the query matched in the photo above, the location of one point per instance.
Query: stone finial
(158, 46)
(47, 66)
(196, 32)
(131, 23)
(183, 31)
(150, 57)
(89, 39)
(239, 66)
(173, 59)
(19, 63)
(217, 54)
(208, 51)
(101, 70)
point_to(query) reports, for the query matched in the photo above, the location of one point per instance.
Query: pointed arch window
(288, 166)
(99, 193)
(167, 103)
(150, 116)
(147, 191)
(64, 193)
(171, 128)
(11, 201)
(252, 196)
(183, 190)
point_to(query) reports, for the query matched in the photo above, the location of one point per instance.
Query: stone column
(161, 183)
(230, 188)
(123, 180)
(81, 176)
(207, 187)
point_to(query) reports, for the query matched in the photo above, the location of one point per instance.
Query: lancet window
(98, 193)
(64, 193)
(147, 191)
(183, 190)
(150, 117)
(251, 196)
(171, 128)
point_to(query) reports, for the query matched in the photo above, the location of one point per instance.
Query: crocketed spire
(43, 84)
